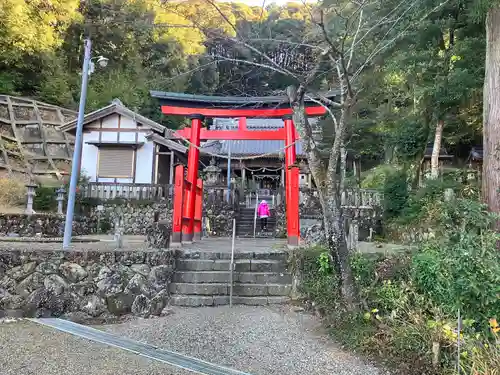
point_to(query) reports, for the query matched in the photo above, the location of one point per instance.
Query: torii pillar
(192, 179)
(292, 184)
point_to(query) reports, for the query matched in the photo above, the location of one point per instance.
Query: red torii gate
(186, 225)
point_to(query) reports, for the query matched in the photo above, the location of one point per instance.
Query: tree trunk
(491, 113)
(436, 150)
(333, 221)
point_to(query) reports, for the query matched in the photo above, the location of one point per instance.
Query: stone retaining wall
(95, 283)
(137, 216)
(43, 225)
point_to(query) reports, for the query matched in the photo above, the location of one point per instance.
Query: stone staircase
(203, 279)
(245, 224)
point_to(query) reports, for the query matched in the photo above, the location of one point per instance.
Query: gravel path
(27, 348)
(258, 340)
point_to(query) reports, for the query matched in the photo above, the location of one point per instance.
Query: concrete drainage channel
(203, 279)
(172, 358)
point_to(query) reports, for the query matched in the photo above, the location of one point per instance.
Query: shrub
(12, 192)
(460, 269)
(395, 194)
(45, 199)
(376, 177)
(319, 282)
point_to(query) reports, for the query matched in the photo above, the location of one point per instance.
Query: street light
(87, 70)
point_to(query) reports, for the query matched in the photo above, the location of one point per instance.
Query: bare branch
(255, 64)
(354, 40)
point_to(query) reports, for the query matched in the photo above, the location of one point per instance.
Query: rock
(94, 306)
(8, 284)
(104, 272)
(4, 293)
(141, 306)
(73, 272)
(56, 305)
(55, 283)
(142, 269)
(12, 234)
(11, 302)
(83, 288)
(20, 272)
(159, 301)
(138, 285)
(120, 304)
(30, 283)
(35, 300)
(47, 268)
(160, 276)
(314, 235)
(111, 285)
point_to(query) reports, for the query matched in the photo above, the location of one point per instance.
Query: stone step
(257, 235)
(196, 301)
(214, 277)
(218, 289)
(226, 255)
(240, 265)
(251, 223)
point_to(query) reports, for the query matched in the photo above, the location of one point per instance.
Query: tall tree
(491, 111)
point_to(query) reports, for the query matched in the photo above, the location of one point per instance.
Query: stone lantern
(60, 199)
(213, 174)
(30, 194)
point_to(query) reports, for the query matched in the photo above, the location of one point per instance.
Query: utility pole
(77, 153)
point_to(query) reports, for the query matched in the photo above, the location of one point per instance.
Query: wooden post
(178, 209)
(198, 211)
(192, 177)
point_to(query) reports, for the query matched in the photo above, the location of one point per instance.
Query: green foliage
(411, 300)
(104, 225)
(395, 193)
(45, 199)
(376, 177)
(461, 269)
(319, 283)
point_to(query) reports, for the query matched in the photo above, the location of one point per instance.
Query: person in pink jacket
(263, 212)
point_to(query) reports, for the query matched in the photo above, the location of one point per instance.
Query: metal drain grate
(175, 359)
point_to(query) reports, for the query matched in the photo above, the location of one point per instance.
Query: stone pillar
(119, 232)
(243, 175)
(30, 195)
(60, 199)
(171, 170)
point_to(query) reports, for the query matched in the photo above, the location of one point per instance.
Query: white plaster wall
(144, 163)
(145, 154)
(110, 121)
(109, 137)
(127, 123)
(127, 137)
(89, 155)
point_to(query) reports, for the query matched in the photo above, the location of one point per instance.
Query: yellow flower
(493, 323)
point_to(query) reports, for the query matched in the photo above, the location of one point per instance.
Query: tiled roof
(249, 148)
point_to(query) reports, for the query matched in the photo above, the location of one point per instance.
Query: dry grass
(12, 193)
